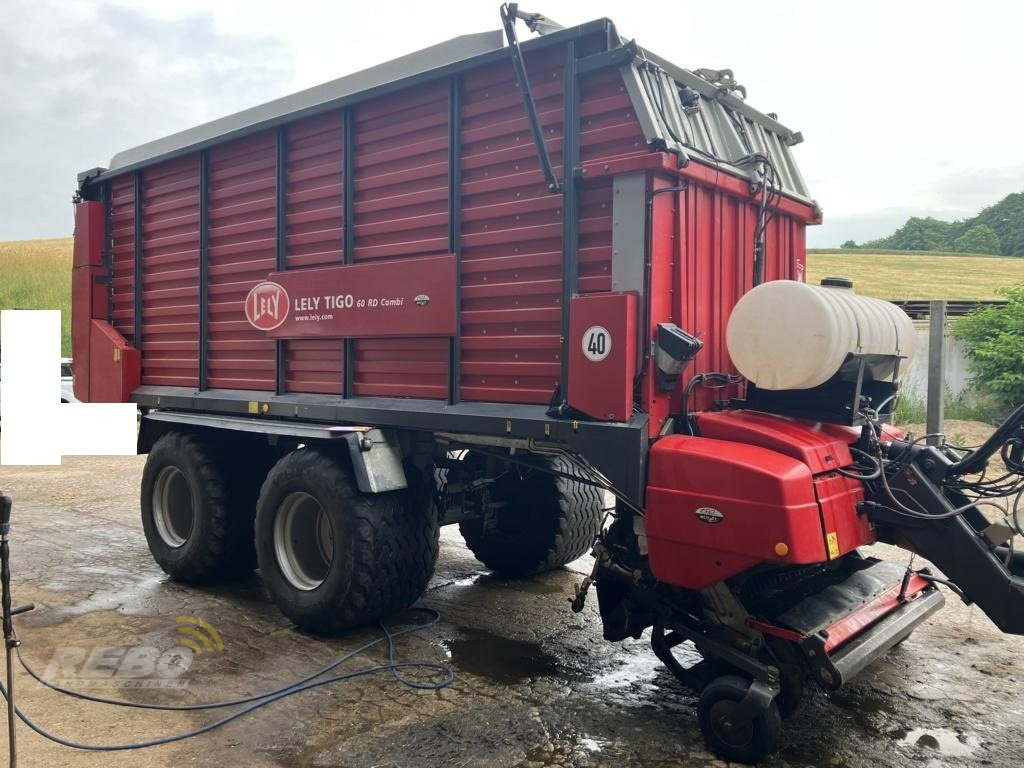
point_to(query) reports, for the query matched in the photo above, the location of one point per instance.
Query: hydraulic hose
(976, 461)
(251, 703)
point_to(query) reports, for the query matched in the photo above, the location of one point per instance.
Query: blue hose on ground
(314, 680)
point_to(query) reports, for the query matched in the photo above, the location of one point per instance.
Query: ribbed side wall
(609, 130)
(401, 212)
(170, 269)
(122, 252)
(242, 251)
(314, 226)
(511, 236)
(715, 263)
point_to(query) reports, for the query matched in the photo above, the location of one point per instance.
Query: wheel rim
(173, 508)
(735, 735)
(303, 541)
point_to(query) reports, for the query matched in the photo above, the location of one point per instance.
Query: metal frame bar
(619, 450)
(508, 20)
(936, 413)
(137, 277)
(204, 267)
(616, 57)
(455, 229)
(281, 226)
(349, 234)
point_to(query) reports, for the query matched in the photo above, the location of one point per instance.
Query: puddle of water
(942, 740)
(644, 667)
(638, 668)
(466, 581)
(500, 659)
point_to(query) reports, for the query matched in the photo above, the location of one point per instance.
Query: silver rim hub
(303, 541)
(173, 507)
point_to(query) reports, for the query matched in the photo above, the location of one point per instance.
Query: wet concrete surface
(536, 684)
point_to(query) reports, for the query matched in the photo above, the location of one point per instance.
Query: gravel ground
(536, 684)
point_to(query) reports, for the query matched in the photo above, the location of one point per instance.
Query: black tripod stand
(11, 641)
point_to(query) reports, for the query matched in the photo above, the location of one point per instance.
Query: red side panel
(595, 268)
(708, 230)
(817, 447)
(609, 131)
(88, 297)
(602, 355)
(511, 235)
(716, 508)
(122, 268)
(401, 212)
(314, 191)
(170, 273)
(315, 237)
(242, 252)
(823, 448)
(845, 530)
(114, 366)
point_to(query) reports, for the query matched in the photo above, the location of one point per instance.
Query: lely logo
(266, 306)
(709, 515)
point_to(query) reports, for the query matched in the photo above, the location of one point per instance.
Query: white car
(67, 382)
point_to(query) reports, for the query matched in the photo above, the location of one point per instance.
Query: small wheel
(187, 512)
(333, 557)
(542, 521)
(747, 742)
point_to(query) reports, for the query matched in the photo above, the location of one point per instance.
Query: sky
(907, 108)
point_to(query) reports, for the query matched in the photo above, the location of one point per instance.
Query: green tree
(849, 244)
(993, 338)
(919, 234)
(980, 238)
(1006, 218)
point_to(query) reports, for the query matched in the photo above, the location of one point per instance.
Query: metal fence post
(936, 370)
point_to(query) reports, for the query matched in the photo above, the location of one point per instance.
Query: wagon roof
(722, 127)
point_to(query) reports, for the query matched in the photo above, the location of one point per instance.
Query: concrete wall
(915, 380)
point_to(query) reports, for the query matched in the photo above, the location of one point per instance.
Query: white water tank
(789, 335)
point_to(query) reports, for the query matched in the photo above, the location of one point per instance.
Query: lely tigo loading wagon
(552, 292)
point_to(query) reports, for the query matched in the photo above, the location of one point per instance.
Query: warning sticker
(597, 343)
(833, 546)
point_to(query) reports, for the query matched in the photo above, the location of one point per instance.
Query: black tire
(546, 521)
(243, 477)
(326, 582)
(747, 743)
(187, 512)
(792, 693)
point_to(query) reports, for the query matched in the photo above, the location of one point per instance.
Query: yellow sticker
(254, 407)
(833, 546)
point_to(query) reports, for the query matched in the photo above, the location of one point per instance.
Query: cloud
(81, 83)
(958, 194)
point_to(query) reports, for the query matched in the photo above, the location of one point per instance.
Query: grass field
(36, 274)
(904, 275)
